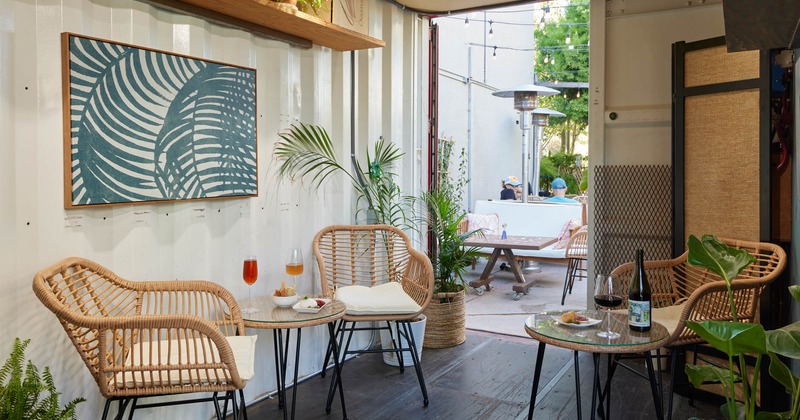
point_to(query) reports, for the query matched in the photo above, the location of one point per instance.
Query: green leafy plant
(736, 339)
(449, 256)
(306, 151)
(315, 6)
(21, 390)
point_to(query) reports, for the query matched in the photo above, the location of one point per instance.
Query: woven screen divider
(632, 210)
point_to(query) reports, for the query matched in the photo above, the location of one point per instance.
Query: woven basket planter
(447, 317)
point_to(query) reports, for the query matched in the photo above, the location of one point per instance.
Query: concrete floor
(495, 311)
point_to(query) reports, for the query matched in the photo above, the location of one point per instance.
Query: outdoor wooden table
(270, 316)
(545, 328)
(506, 246)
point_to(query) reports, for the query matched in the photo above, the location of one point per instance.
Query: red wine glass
(250, 275)
(608, 294)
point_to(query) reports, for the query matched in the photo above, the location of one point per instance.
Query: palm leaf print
(149, 126)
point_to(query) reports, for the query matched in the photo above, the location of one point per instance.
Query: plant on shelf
(736, 339)
(306, 151)
(21, 389)
(312, 6)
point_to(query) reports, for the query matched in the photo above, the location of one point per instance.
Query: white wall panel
(185, 240)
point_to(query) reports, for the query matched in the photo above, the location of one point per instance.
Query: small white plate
(297, 308)
(588, 323)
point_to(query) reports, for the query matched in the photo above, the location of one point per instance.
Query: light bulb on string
(466, 22)
(565, 96)
(578, 95)
(568, 39)
(494, 54)
(541, 23)
(491, 29)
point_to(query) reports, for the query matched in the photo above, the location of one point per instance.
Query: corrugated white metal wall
(186, 240)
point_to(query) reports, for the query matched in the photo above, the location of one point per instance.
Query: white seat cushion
(383, 299)
(176, 352)
(668, 316)
(488, 223)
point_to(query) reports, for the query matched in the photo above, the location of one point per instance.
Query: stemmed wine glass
(294, 264)
(608, 294)
(250, 275)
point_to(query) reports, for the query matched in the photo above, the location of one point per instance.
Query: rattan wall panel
(632, 210)
(716, 65)
(722, 165)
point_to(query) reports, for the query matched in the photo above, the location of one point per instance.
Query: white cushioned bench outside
(532, 219)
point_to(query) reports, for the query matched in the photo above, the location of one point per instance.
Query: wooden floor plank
(487, 377)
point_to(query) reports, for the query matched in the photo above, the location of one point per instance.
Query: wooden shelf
(273, 19)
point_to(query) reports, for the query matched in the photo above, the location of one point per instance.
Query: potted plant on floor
(737, 339)
(449, 256)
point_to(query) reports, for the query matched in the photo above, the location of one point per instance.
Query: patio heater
(525, 98)
(539, 119)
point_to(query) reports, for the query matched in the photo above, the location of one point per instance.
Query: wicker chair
(576, 253)
(682, 292)
(143, 339)
(371, 255)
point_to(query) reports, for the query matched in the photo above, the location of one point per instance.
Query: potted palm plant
(449, 256)
(305, 151)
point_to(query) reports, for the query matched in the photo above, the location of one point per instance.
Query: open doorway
(479, 53)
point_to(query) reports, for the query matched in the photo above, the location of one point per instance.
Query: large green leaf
(785, 341)
(766, 415)
(699, 374)
(718, 257)
(741, 413)
(732, 338)
(795, 291)
(782, 374)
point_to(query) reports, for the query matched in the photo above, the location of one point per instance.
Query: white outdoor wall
(187, 240)
(483, 124)
(638, 82)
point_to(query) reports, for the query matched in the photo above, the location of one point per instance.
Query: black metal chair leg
(133, 408)
(105, 410)
(234, 406)
(398, 345)
(673, 368)
(566, 280)
(415, 360)
(215, 400)
(244, 406)
(123, 404)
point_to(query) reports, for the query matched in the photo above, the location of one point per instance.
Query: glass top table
(278, 319)
(546, 328)
(271, 316)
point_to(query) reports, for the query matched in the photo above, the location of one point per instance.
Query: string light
(466, 22)
(541, 23)
(579, 94)
(491, 29)
(494, 54)
(568, 39)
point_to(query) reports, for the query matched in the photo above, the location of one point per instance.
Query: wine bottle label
(639, 313)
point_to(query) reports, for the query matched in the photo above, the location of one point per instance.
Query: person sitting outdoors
(510, 185)
(559, 187)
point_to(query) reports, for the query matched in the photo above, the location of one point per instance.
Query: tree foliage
(571, 65)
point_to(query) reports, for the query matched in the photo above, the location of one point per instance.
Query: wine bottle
(639, 297)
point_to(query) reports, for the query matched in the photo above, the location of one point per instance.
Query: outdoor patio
(490, 375)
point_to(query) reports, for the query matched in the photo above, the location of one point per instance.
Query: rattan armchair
(371, 255)
(142, 339)
(576, 253)
(682, 292)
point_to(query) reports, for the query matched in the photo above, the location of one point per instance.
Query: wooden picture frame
(144, 125)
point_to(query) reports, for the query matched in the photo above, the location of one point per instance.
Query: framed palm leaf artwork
(143, 125)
